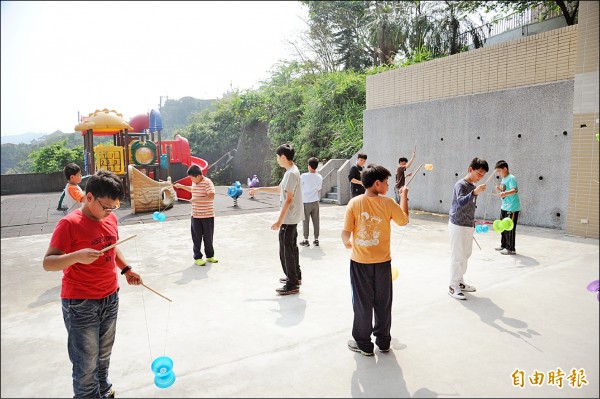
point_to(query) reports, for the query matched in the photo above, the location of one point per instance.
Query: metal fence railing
(510, 22)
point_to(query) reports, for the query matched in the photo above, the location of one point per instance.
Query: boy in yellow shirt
(367, 232)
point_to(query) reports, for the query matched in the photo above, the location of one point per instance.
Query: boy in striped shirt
(203, 214)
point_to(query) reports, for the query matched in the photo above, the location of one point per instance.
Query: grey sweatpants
(311, 209)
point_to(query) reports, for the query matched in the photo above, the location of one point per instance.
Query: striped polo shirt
(202, 205)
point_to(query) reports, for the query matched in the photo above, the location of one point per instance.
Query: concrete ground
(230, 335)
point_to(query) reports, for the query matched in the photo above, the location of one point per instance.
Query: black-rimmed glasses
(108, 208)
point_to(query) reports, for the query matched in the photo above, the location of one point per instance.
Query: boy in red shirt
(90, 288)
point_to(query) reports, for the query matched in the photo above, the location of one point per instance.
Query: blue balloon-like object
(162, 367)
(235, 190)
(481, 228)
(159, 216)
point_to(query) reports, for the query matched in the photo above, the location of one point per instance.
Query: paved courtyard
(230, 335)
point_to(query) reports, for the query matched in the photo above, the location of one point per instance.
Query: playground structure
(148, 195)
(138, 156)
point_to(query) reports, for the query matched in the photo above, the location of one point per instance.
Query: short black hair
(402, 159)
(372, 173)
(501, 164)
(194, 171)
(71, 169)
(313, 162)
(287, 150)
(362, 155)
(105, 184)
(478, 163)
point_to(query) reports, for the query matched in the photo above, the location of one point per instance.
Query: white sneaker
(466, 287)
(455, 292)
(508, 252)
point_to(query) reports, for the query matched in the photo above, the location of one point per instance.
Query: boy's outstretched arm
(270, 190)
(409, 163)
(183, 187)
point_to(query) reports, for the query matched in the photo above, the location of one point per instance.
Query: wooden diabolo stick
(414, 174)
(161, 295)
(117, 243)
(488, 179)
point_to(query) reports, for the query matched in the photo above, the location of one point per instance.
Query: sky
(64, 58)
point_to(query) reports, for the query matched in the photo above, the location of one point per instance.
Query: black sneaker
(316, 243)
(285, 290)
(284, 280)
(304, 243)
(353, 346)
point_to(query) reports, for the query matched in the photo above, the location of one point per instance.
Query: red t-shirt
(98, 279)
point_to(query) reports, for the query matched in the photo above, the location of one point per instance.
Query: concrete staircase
(332, 197)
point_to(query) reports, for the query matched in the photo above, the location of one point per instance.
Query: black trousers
(289, 255)
(371, 294)
(508, 237)
(203, 230)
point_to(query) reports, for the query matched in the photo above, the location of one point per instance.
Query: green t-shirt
(511, 203)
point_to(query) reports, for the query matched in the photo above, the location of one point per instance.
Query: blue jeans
(91, 325)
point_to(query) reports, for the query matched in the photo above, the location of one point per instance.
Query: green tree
(356, 35)
(53, 158)
(331, 124)
(421, 54)
(175, 113)
(12, 154)
(15, 157)
(319, 114)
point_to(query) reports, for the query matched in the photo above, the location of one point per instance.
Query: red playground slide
(187, 181)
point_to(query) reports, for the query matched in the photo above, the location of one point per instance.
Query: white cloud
(59, 58)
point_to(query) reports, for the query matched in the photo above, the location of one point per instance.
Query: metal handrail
(510, 22)
(328, 173)
(218, 160)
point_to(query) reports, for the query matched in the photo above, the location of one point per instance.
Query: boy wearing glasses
(90, 288)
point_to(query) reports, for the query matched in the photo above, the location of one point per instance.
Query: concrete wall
(548, 57)
(524, 86)
(529, 127)
(253, 155)
(33, 183)
(584, 204)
